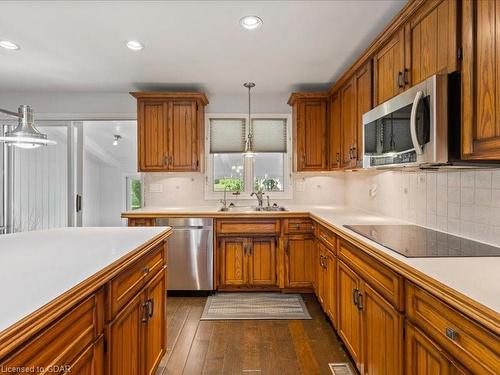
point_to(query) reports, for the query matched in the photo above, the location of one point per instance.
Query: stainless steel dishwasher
(190, 254)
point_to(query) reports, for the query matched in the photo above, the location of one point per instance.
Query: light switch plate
(156, 188)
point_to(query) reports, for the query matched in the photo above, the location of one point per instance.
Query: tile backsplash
(464, 202)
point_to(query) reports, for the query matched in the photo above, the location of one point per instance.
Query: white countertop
(475, 277)
(36, 267)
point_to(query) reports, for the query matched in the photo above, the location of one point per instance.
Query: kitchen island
(83, 299)
(448, 306)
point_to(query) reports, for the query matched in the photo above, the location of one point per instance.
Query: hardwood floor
(252, 347)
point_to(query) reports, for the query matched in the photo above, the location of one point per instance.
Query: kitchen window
(227, 167)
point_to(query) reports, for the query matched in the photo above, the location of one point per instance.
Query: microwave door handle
(413, 123)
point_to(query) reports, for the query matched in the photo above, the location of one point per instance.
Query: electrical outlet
(156, 188)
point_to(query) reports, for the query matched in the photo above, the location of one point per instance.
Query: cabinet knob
(451, 333)
(145, 270)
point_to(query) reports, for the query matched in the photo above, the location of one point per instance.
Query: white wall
(461, 202)
(187, 189)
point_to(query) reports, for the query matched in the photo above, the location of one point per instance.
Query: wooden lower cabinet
(137, 333)
(299, 261)
(90, 361)
(424, 357)
(369, 325)
(247, 262)
(349, 319)
(381, 332)
(326, 290)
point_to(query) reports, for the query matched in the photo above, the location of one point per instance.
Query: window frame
(287, 193)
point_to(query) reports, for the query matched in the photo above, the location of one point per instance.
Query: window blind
(227, 135)
(269, 135)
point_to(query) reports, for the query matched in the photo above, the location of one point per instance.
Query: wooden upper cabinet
(170, 129)
(481, 80)
(431, 41)
(309, 131)
(335, 132)
(388, 65)
(349, 117)
(364, 102)
(183, 136)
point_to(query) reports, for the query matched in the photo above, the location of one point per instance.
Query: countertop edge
(466, 305)
(17, 333)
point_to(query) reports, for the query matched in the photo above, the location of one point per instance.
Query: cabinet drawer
(248, 227)
(298, 226)
(475, 347)
(124, 286)
(381, 278)
(141, 222)
(62, 341)
(328, 238)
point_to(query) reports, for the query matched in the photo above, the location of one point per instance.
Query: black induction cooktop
(413, 241)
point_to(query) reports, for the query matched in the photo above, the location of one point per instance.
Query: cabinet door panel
(382, 334)
(126, 338)
(262, 267)
(349, 115)
(183, 137)
(233, 265)
(152, 132)
(330, 288)
(311, 135)
(335, 134)
(155, 328)
(349, 319)
(299, 253)
(90, 361)
(364, 102)
(424, 357)
(321, 274)
(431, 40)
(388, 66)
(481, 80)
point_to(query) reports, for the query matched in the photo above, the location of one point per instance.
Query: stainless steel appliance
(413, 241)
(190, 254)
(410, 129)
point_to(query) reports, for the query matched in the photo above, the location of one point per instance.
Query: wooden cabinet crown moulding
(170, 131)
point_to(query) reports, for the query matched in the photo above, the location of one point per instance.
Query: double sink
(252, 209)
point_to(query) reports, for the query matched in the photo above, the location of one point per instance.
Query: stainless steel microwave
(410, 129)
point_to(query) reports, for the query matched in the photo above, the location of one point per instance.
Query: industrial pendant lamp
(25, 135)
(249, 153)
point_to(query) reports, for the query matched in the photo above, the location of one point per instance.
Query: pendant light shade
(25, 135)
(249, 153)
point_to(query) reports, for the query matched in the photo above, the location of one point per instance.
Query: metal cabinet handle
(400, 80)
(145, 315)
(405, 76)
(360, 300)
(451, 333)
(354, 152)
(151, 307)
(145, 270)
(355, 292)
(338, 157)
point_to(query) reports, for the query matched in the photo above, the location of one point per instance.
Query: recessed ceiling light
(9, 45)
(134, 45)
(251, 22)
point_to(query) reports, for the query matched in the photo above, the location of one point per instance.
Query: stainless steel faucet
(260, 197)
(224, 201)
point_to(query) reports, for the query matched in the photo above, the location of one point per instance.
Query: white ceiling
(98, 142)
(78, 46)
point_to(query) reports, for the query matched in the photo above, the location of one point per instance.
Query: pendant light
(249, 153)
(25, 135)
